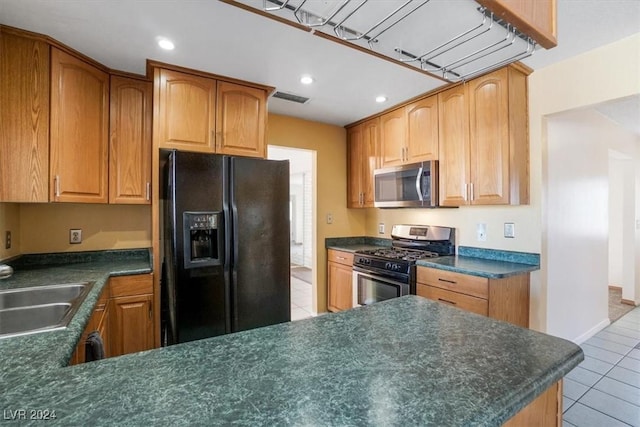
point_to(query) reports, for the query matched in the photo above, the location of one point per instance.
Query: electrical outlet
(75, 236)
(509, 230)
(481, 231)
(329, 218)
(381, 228)
(7, 240)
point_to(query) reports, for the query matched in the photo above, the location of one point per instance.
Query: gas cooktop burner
(400, 254)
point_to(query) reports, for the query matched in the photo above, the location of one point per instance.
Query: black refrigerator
(226, 245)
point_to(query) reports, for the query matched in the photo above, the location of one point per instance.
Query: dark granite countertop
(405, 361)
(490, 263)
(38, 353)
(489, 268)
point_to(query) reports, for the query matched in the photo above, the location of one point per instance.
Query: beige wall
(9, 221)
(329, 142)
(45, 227)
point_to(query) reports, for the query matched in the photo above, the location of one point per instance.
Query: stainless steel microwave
(407, 186)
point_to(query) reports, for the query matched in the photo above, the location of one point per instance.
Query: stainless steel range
(385, 273)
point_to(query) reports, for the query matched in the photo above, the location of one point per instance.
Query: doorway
(302, 236)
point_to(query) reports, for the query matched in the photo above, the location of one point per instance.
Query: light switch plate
(481, 231)
(381, 228)
(329, 218)
(509, 230)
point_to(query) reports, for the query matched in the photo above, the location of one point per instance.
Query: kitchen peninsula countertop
(33, 355)
(405, 361)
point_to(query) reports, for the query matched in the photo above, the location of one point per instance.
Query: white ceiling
(223, 39)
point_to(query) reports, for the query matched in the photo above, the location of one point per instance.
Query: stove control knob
(396, 267)
(388, 266)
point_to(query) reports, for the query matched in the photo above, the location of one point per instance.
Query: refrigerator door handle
(232, 236)
(229, 277)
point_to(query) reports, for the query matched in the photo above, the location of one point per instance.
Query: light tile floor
(604, 390)
(300, 299)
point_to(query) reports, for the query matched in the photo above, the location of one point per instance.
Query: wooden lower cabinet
(503, 299)
(340, 280)
(124, 317)
(544, 411)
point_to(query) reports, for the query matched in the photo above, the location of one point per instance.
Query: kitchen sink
(40, 295)
(39, 309)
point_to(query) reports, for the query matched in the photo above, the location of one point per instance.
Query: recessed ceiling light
(380, 99)
(166, 44)
(306, 80)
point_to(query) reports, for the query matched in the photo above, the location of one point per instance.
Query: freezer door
(260, 288)
(200, 294)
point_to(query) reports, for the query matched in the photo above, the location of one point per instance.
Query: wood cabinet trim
(152, 65)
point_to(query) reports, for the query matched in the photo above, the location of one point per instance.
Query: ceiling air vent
(291, 97)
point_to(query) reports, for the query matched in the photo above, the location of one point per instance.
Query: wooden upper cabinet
(536, 18)
(186, 111)
(240, 123)
(393, 138)
(370, 158)
(484, 145)
(354, 166)
(489, 138)
(130, 141)
(79, 130)
(422, 130)
(454, 146)
(24, 119)
(410, 134)
(363, 160)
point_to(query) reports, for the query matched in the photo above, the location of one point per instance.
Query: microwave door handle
(418, 184)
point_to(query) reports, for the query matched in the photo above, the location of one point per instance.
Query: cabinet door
(186, 111)
(340, 287)
(422, 130)
(354, 171)
(132, 324)
(240, 124)
(24, 119)
(453, 119)
(79, 130)
(369, 159)
(130, 141)
(489, 138)
(392, 138)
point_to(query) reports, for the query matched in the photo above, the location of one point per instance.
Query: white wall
(577, 225)
(579, 82)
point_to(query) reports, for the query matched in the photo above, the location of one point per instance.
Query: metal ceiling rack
(487, 44)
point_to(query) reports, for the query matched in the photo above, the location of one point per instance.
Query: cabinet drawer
(340, 257)
(122, 286)
(454, 299)
(456, 282)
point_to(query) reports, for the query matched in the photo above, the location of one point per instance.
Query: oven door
(369, 288)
